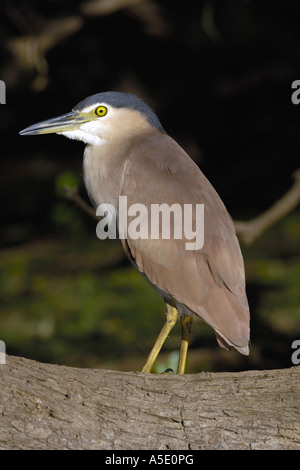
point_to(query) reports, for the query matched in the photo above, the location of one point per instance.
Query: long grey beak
(66, 122)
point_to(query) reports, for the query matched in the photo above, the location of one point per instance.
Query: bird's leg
(171, 317)
(186, 326)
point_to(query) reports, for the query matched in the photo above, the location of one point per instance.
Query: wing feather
(211, 281)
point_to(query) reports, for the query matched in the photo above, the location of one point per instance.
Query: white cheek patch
(84, 136)
(88, 132)
(92, 127)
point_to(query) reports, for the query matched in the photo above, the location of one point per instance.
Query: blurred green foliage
(62, 298)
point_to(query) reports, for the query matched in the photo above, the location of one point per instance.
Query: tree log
(45, 406)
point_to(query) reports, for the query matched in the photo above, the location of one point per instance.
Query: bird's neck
(103, 168)
(104, 165)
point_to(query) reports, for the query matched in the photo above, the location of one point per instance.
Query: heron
(129, 154)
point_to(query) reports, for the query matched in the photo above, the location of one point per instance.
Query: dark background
(219, 75)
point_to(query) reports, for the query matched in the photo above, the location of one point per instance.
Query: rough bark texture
(45, 406)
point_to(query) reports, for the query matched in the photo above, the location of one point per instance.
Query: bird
(129, 154)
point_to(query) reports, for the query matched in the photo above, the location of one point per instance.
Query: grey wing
(211, 281)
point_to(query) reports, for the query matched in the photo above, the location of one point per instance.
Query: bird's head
(99, 118)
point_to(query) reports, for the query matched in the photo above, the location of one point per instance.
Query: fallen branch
(46, 406)
(72, 194)
(28, 52)
(252, 229)
(146, 11)
(106, 7)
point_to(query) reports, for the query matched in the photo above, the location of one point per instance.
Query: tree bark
(44, 406)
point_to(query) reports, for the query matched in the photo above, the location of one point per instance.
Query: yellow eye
(101, 111)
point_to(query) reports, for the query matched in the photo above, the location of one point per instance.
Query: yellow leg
(186, 325)
(171, 317)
